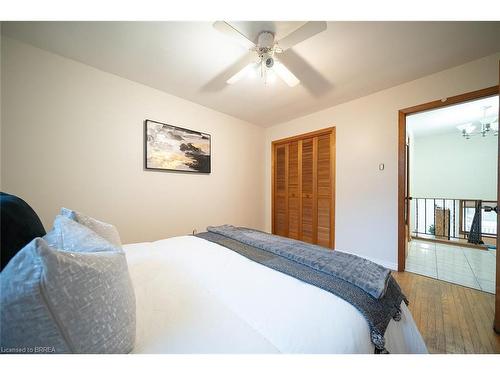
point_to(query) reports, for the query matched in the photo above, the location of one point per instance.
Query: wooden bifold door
(303, 187)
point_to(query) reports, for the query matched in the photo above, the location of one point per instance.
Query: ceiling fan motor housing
(265, 40)
(265, 44)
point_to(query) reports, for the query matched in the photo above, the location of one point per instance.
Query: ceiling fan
(264, 55)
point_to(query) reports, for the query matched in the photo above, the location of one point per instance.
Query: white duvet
(194, 296)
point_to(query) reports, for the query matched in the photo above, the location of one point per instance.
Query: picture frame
(173, 148)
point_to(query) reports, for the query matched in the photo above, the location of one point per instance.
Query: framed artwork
(171, 148)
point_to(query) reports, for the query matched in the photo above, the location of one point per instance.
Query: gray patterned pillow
(105, 230)
(67, 301)
(68, 235)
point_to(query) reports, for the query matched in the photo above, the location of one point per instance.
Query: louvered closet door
(293, 191)
(303, 187)
(280, 191)
(308, 191)
(324, 191)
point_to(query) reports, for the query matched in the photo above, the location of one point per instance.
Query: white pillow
(105, 230)
(72, 296)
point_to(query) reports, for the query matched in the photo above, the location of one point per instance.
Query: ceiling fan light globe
(270, 77)
(286, 75)
(252, 73)
(248, 70)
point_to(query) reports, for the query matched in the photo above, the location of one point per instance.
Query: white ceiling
(445, 120)
(191, 59)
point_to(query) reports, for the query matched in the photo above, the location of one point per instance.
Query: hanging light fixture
(467, 130)
(494, 127)
(485, 126)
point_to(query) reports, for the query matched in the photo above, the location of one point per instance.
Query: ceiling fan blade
(227, 29)
(285, 74)
(247, 70)
(304, 32)
(312, 80)
(219, 82)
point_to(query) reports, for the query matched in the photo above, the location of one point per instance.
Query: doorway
(446, 224)
(452, 169)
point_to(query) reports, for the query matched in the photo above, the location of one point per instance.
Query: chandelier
(486, 126)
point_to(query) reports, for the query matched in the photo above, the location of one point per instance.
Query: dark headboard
(19, 225)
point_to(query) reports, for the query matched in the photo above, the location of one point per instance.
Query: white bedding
(194, 296)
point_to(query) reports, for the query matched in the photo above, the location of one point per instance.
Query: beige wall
(73, 136)
(366, 198)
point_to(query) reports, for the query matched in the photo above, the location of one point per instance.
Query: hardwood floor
(450, 317)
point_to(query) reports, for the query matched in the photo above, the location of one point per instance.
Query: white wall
(73, 136)
(367, 134)
(449, 166)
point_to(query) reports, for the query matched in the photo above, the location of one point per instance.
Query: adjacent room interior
(453, 162)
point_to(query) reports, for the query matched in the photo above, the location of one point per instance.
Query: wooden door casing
(496, 324)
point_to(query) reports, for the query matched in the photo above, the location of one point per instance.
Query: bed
(194, 295)
(183, 306)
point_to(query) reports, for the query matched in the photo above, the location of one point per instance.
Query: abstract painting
(173, 148)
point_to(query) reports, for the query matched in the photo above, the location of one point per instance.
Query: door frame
(333, 158)
(496, 323)
(473, 95)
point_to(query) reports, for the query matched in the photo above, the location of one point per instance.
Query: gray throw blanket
(378, 312)
(369, 276)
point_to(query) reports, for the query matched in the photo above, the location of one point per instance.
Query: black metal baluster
(425, 215)
(444, 219)
(434, 207)
(454, 218)
(416, 216)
